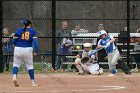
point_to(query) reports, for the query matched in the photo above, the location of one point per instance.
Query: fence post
(53, 33)
(1, 25)
(128, 31)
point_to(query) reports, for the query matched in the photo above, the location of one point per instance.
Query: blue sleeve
(35, 45)
(14, 39)
(34, 33)
(35, 42)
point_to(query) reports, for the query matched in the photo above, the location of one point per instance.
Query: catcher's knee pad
(77, 60)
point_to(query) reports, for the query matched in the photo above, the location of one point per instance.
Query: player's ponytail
(25, 26)
(26, 23)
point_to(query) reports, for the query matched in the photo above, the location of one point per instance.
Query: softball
(77, 47)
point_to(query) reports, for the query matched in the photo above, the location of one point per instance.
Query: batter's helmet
(102, 32)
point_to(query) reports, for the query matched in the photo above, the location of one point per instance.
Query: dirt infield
(72, 83)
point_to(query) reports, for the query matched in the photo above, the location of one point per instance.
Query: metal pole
(53, 33)
(128, 31)
(1, 25)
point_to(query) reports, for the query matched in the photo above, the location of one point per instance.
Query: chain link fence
(89, 14)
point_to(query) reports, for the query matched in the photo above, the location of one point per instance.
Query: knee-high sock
(31, 74)
(15, 70)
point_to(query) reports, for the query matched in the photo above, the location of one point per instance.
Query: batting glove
(105, 46)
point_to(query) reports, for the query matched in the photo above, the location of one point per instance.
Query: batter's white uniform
(112, 51)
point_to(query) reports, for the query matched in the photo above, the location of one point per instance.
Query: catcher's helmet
(87, 45)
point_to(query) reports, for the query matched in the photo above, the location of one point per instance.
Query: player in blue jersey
(108, 42)
(26, 45)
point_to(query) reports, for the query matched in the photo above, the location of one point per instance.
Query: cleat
(34, 85)
(114, 71)
(81, 73)
(101, 71)
(16, 83)
(128, 73)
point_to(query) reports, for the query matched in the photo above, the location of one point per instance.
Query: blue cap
(26, 22)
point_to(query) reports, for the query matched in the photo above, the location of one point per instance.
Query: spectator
(7, 47)
(137, 50)
(122, 37)
(63, 44)
(78, 30)
(100, 27)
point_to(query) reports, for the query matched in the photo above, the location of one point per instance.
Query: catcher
(87, 64)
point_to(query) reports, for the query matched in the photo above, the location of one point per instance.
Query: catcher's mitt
(85, 60)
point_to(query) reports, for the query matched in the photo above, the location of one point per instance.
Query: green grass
(37, 68)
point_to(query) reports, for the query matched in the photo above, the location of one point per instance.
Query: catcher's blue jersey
(24, 39)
